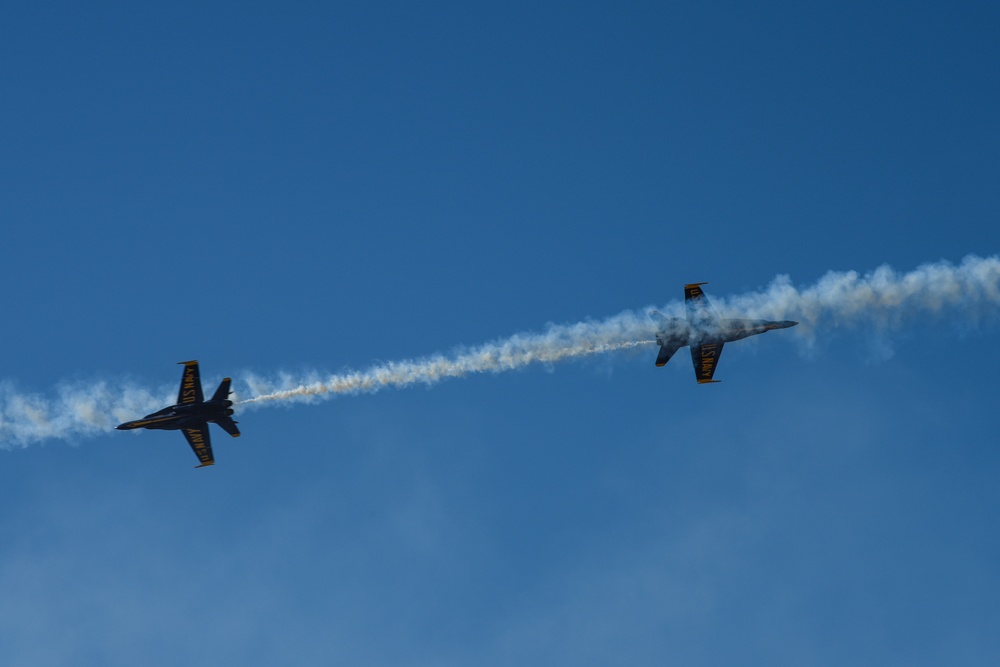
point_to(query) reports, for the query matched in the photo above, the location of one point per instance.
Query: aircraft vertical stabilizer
(222, 393)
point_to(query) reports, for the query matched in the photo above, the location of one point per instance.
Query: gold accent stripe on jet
(152, 421)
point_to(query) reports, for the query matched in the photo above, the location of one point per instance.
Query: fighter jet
(192, 414)
(705, 332)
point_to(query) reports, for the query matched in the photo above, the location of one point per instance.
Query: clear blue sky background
(276, 187)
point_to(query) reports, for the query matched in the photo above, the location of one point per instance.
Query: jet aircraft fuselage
(705, 333)
(177, 417)
(721, 331)
(192, 414)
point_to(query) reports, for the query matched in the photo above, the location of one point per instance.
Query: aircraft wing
(190, 391)
(699, 312)
(201, 444)
(705, 358)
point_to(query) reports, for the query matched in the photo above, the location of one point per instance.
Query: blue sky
(317, 187)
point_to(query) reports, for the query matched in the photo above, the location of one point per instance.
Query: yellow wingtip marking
(690, 285)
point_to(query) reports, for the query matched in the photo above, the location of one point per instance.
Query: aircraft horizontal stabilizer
(666, 351)
(229, 426)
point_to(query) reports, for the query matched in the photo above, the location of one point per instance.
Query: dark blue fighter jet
(192, 414)
(704, 332)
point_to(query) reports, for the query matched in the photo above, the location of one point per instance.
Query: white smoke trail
(503, 356)
(77, 410)
(883, 299)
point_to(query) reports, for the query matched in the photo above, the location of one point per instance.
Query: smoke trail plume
(883, 300)
(516, 352)
(76, 410)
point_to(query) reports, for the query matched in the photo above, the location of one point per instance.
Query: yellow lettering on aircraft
(708, 356)
(198, 443)
(190, 392)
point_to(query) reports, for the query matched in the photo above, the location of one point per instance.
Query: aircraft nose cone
(788, 323)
